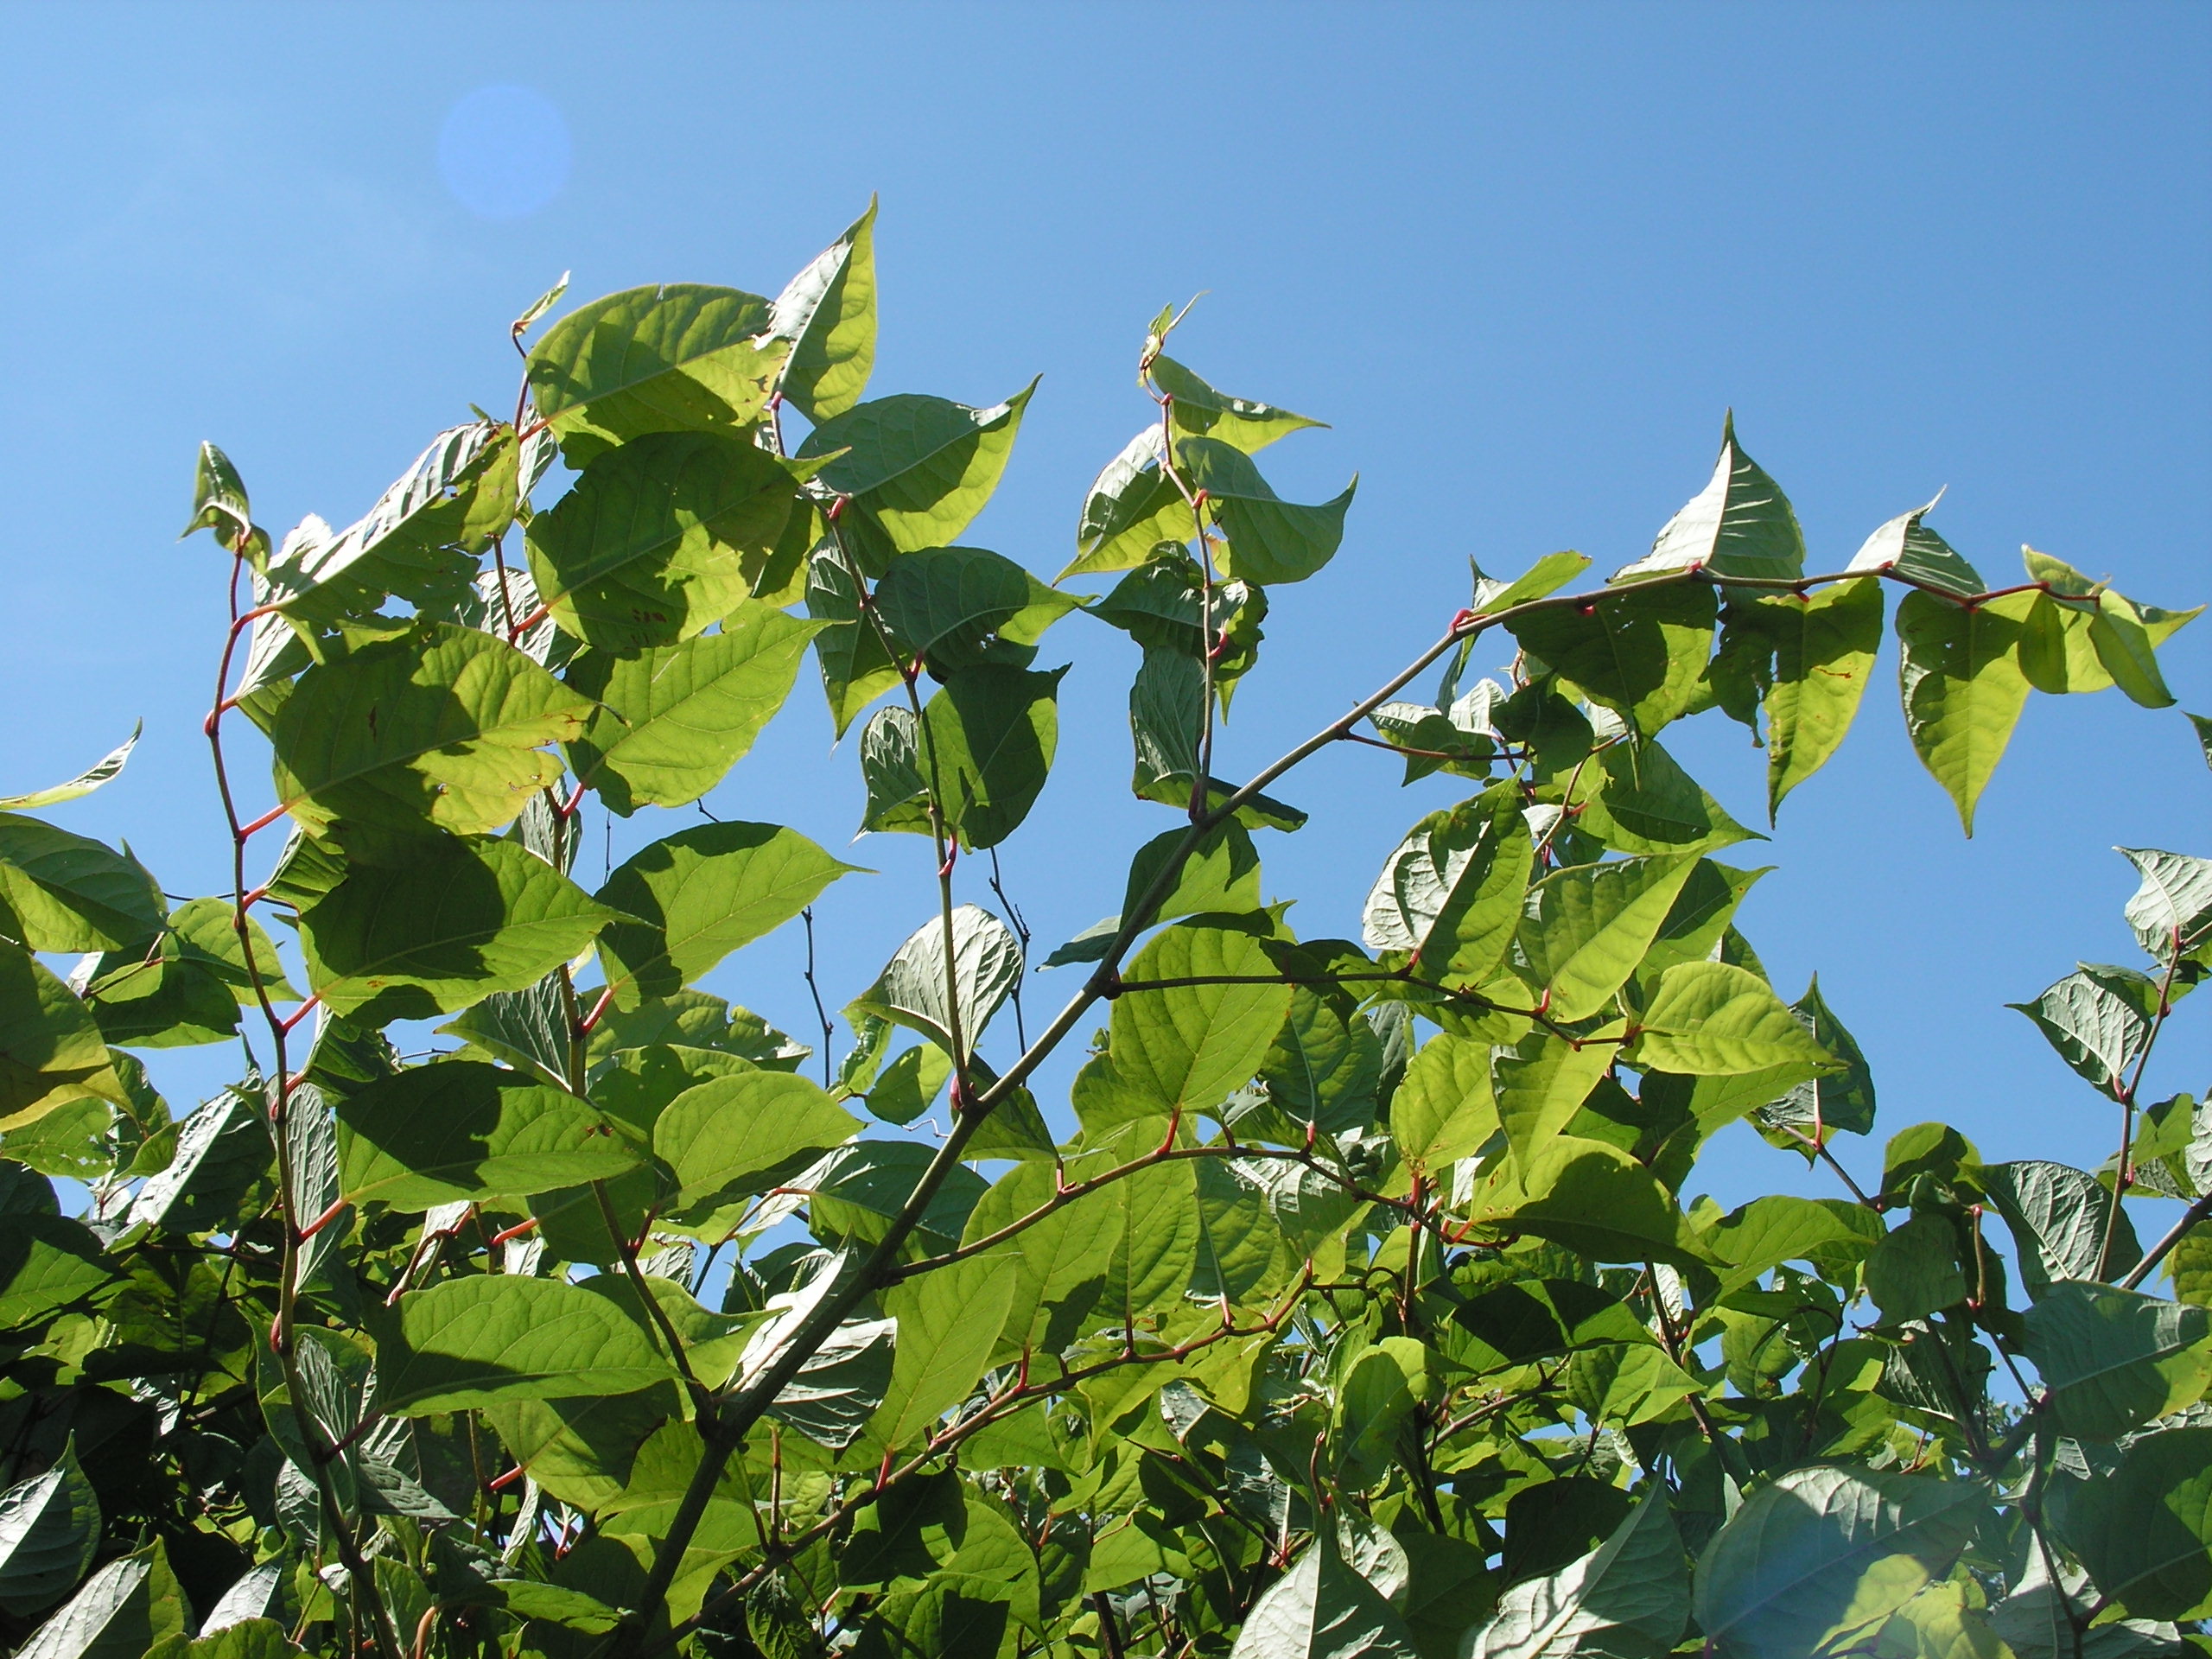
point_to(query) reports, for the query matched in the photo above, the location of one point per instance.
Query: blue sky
(1523, 259)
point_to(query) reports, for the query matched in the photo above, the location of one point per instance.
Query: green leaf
(828, 313)
(219, 499)
(891, 769)
(673, 357)
(1156, 1241)
(1322, 1609)
(47, 1263)
(1383, 1386)
(161, 1004)
(1592, 1198)
(1189, 1047)
(2058, 1216)
(911, 991)
(1963, 687)
(727, 1137)
(1641, 651)
(2113, 1360)
(1824, 648)
(987, 738)
(51, 1052)
(488, 1339)
(1168, 604)
(1200, 411)
(652, 545)
(1811, 1562)
(1905, 547)
(962, 607)
(1710, 1019)
(920, 469)
(2123, 644)
(1451, 894)
(1740, 524)
(1769, 1232)
(672, 720)
(2145, 1530)
(444, 727)
(1638, 799)
(121, 1611)
(60, 892)
(700, 894)
(1324, 1065)
(1915, 1270)
(109, 765)
(1220, 876)
(421, 540)
(1270, 540)
(1627, 1384)
(857, 1192)
(526, 1028)
(2098, 1018)
(204, 932)
(461, 1129)
(464, 918)
(1132, 509)
(1627, 1599)
(1060, 1263)
(224, 1152)
(2171, 911)
(1587, 927)
(856, 663)
(948, 1322)
(1546, 575)
(1542, 1084)
(1940, 1623)
(1836, 1098)
(1444, 1110)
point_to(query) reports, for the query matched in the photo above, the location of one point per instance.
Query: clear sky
(1521, 258)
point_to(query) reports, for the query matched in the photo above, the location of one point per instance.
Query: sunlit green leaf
(2113, 1359)
(443, 727)
(652, 545)
(108, 767)
(913, 991)
(700, 894)
(918, 468)
(1740, 524)
(828, 313)
(63, 892)
(1963, 689)
(672, 720)
(672, 357)
(462, 919)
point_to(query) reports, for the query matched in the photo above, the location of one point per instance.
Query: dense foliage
(1356, 1313)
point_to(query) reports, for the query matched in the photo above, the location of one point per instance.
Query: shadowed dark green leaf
(1270, 540)
(438, 1134)
(920, 468)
